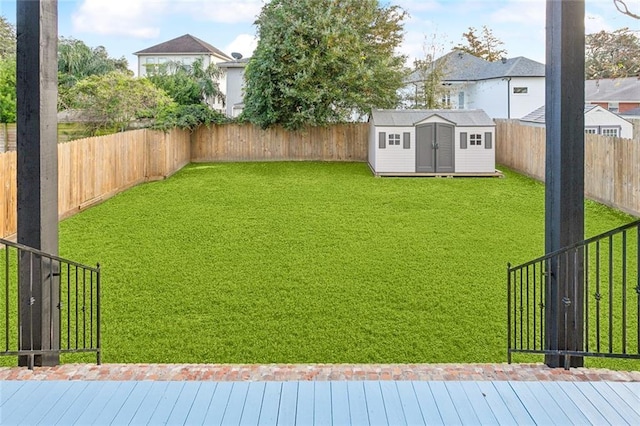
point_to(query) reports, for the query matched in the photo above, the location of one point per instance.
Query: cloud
(108, 17)
(221, 11)
(419, 5)
(529, 12)
(595, 23)
(142, 18)
(243, 43)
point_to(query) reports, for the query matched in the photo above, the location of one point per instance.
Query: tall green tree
(7, 38)
(112, 101)
(77, 61)
(8, 90)
(612, 54)
(188, 85)
(484, 45)
(427, 76)
(7, 71)
(321, 61)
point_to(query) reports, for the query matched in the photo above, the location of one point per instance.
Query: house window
(520, 90)
(591, 130)
(394, 139)
(475, 139)
(613, 106)
(446, 100)
(610, 132)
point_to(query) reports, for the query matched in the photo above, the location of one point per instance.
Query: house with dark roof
(184, 50)
(509, 88)
(619, 95)
(597, 121)
(415, 142)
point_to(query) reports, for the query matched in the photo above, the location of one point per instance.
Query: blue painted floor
(318, 403)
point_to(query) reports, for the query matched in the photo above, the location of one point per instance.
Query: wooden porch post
(564, 194)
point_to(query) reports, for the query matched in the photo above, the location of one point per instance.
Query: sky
(127, 26)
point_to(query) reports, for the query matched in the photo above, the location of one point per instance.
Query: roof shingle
(184, 44)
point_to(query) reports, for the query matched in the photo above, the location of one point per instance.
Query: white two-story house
(510, 88)
(186, 50)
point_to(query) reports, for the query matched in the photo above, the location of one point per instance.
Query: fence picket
(612, 175)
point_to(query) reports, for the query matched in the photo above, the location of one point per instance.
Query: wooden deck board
(631, 396)
(587, 408)
(46, 398)
(496, 403)
(446, 407)
(253, 404)
(306, 400)
(132, 403)
(316, 403)
(83, 401)
(66, 402)
(111, 409)
(375, 404)
(288, 404)
(236, 404)
(461, 403)
(149, 404)
(604, 406)
(357, 403)
(410, 405)
(628, 412)
(340, 403)
(183, 403)
(392, 403)
(322, 403)
(167, 402)
(559, 397)
(270, 404)
(91, 402)
(513, 403)
(428, 405)
(537, 411)
(218, 404)
(479, 403)
(201, 403)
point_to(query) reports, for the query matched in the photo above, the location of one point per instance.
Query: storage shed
(431, 143)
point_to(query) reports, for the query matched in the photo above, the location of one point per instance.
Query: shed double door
(434, 148)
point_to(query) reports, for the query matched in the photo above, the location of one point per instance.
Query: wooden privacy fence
(91, 170)
(94, 169)
(612, 165)
(246, 142)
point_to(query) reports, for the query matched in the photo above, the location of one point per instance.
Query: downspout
(508, 98)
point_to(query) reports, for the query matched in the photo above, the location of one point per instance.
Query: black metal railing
(600, 301)
(51, 305)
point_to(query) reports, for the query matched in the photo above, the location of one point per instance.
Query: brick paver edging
(289, 372)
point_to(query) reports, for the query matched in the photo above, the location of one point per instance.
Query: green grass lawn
(312, 263)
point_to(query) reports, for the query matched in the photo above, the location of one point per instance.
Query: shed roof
(184, 44)
(409, 117)
(538, 116)
(613, 90)
(462, 66)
